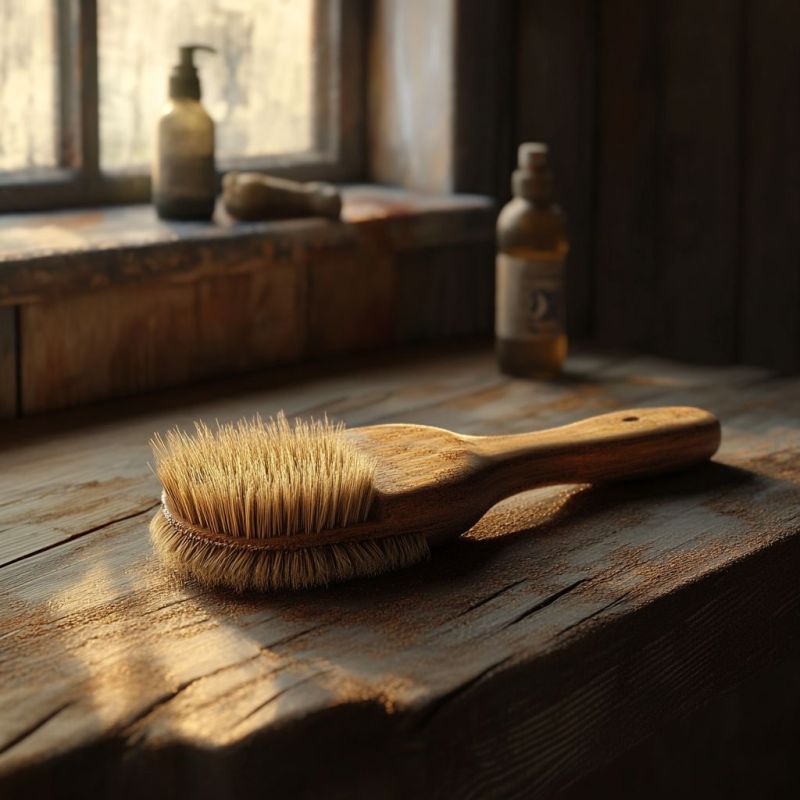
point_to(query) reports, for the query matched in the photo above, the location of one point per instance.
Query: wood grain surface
(676, 159)
(627, 210)
(131, 339)
(698, 157)
(566, 626)
(438, 483)
(445, 292)
(484, 87)
(557, 68)
(56, 253)
(668, 179)
(8, 362)
(770, 322)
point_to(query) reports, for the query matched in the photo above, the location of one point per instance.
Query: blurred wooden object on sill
(252, 196)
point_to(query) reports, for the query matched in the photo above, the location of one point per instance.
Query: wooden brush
(274, 505)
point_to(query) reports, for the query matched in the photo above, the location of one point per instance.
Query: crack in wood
(163, 699)
(549, 600)
(280, 693)
(490, 597)
(28, 732)
(293, 636)
(79, 535)
(167, 697)
(174, 603)
(191, 624)
(596, 613)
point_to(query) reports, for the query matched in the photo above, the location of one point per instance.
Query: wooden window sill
(110, 302)
(46, 253)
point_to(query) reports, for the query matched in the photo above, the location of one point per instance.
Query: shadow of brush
(580, 510)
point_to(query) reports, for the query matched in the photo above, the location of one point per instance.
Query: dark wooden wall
(675, 132)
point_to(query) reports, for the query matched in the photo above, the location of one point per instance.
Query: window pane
(28, 115)
(258, 88)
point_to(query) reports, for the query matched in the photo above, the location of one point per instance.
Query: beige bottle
(184, 174)
(532, 246)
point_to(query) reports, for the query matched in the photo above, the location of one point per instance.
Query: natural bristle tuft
(261, 479)
(275, 570)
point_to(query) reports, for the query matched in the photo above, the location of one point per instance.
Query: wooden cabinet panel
(82, 348)
(770, 290)
(626, 262)
(698, 187)
(445, 292)
(676, 145)
(555, 79)
(8, 362)
(351, 299)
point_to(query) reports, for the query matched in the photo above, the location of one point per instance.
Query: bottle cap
(184, 81)
(533, 178)
(531, 155)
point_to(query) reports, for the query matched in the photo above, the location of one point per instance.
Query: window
(82, 83)
(27, 86)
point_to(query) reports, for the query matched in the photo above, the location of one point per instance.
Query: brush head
(242, 505)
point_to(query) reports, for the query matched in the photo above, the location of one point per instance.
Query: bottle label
(191, 177)
(529, 301)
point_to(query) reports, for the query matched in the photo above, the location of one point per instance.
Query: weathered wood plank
(133, 339)
(555, 84)
(749, 747)
(484, 97)
(42, 255)
(698, 184)
(351, 299)
(118, 483)
(626, 259)
(8, 362)
(770, 291)
(569, 624)
(444, 293)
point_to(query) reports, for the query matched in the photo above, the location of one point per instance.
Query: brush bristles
(275, 570)
(264, 479)
(268, 478)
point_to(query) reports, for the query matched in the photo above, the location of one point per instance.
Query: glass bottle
(532, 246)
(184, 174)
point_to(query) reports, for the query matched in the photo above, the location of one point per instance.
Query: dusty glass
(28, 106)
(259, 88)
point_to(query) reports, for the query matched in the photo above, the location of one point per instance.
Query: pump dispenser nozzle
(184, 81)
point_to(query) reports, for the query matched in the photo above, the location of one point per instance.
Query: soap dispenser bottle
(184, 174)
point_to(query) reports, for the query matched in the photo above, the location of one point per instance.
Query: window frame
(78, 181)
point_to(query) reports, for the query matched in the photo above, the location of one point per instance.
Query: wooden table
(568, 625)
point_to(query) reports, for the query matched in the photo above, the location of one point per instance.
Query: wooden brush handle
(625, 444)
(252, 196)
